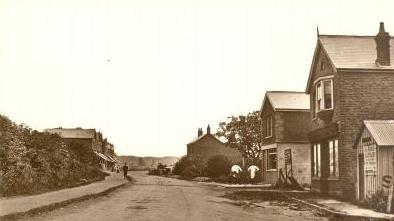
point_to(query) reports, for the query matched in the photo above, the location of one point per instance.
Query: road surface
(160, 198)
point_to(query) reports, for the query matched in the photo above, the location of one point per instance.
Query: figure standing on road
(252, 169)
(125, 169)
(235, 171)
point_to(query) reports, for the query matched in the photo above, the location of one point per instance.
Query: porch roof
(382, 131)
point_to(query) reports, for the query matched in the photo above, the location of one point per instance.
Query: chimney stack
(382, 40)
(208, 130)
(199, 133)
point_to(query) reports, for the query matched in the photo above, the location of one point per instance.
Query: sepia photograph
(196, 110)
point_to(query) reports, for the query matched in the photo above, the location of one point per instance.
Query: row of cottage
(338, 135)
(103, 150)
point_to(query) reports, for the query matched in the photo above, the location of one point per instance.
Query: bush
(189, 168)
(181, 165)
(218, 166)
(377, 201)
(190, 172)
(32, 162)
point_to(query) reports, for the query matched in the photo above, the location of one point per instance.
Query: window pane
(269, 126)
(331, 149)
(327, 94)
(318, 97)
(271, 159)
(318, 159)
(314, 160)
(336, 158)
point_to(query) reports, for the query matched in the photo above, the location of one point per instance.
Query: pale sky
(149, 73)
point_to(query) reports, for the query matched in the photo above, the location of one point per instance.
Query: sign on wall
(287, 156)
(370, 159)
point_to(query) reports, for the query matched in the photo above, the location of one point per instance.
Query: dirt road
(160, 198)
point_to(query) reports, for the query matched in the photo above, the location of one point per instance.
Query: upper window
(268, 126)
(324, 95)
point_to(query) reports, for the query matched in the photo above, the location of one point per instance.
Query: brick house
(207, 145)
(90, 138)
(351, 79)
(285, 126)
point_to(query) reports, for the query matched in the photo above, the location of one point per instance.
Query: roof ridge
(351, 36)
(379, 121)
(302, 92)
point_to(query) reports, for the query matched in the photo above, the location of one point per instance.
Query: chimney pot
(381, 27)
(199, 133)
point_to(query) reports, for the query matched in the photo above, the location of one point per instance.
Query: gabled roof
(73, 132)
(287, 100)
(203, 136)
(353, 52)
(382, 131)
(349, 52)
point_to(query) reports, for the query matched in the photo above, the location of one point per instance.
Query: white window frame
(319, 83)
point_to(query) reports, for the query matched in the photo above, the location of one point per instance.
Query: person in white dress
(252, 170)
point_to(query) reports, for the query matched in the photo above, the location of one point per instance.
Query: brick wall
(362, 96)
(287, 126)
(301, 160)
(296, 126)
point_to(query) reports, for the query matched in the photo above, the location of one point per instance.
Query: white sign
(370, 159)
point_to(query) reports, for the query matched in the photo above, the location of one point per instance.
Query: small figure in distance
(125, 169)
(235, 172)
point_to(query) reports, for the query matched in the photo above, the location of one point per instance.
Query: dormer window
(324, 95)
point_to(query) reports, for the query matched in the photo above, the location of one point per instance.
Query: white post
(389, 198)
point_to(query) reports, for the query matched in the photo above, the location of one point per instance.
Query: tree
(243, 133)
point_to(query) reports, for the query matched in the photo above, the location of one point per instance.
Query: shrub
(32, 162)
(377, 201)
(189, 168)
(190, 172)
(181, 165)
(218, 166)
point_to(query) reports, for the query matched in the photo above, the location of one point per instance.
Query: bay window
(324, 95)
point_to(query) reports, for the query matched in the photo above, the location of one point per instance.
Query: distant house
(103, 150)
(351, 80)
(207, 145)
(285, 127)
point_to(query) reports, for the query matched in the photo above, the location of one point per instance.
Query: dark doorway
(361, 184)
